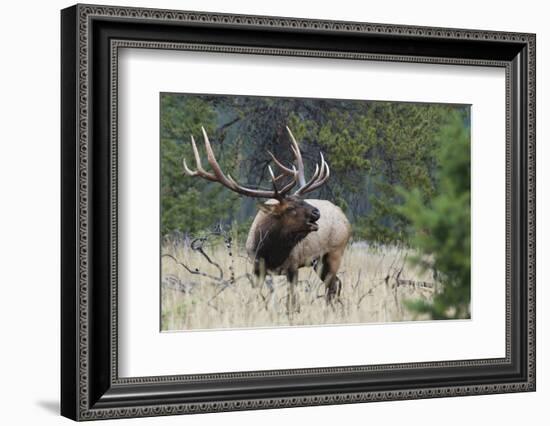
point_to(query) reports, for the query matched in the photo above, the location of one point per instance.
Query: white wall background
(29, 212)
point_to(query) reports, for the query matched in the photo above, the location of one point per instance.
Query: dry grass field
(208, 284)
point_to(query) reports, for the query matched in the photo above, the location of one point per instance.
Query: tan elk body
(324, 247)
(288, 232)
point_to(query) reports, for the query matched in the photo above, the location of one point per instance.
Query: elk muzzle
(314, 216)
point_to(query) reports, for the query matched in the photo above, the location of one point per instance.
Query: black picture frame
(90, 386)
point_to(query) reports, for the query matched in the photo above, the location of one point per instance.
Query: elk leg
(260, 272)
(329, 268)
(292, 277)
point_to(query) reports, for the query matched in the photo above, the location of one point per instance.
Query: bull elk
(288, 232)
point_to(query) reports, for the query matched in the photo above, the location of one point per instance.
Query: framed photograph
(263, 212)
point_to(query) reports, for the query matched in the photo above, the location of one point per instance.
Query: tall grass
(216, 289)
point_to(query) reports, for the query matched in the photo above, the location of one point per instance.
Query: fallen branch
(197, 245)
(191, 271)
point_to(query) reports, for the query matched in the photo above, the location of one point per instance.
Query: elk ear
(265, 208)
(269, 207)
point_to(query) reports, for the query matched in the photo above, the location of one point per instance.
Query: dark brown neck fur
(272, 244)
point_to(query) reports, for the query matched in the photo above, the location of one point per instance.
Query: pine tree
(441, 225)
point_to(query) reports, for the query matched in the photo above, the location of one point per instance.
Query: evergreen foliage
(440, 225)
(372, 148)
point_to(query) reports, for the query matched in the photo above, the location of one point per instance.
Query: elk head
(287, 218)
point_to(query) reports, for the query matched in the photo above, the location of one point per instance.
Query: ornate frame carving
(91, 388)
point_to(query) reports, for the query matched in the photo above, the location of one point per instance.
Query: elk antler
(229, 182)
(320, 175)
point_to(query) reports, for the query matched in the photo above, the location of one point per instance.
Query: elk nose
(315, 214)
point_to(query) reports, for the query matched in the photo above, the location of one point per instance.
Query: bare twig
(192, 271)
(197, 245)
(220, 291)
(358, 280)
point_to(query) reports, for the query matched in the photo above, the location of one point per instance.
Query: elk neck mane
(272, 243)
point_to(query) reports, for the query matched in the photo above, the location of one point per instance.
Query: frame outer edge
(69, 287)
(83, 12)
(531, 201)
(83, 104)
